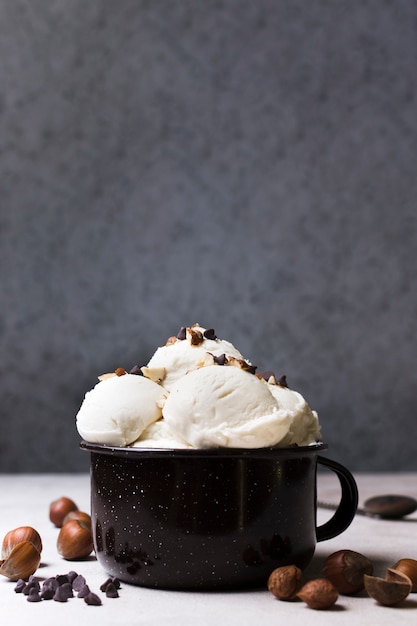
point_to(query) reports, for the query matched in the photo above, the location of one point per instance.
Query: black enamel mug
(209, 519)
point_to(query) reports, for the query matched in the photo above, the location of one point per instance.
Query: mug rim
(144, 452)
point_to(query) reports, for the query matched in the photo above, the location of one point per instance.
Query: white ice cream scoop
(118, 409)
(225, 406)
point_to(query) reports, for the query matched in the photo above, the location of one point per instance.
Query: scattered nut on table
(346, 569)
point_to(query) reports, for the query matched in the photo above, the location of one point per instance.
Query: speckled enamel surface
(202, 521)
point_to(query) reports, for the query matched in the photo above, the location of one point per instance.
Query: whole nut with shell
(21, 553)
(346, 569)
(59, 508)
(284, 582)
(79, 515)
(319, 594)
(75, 540)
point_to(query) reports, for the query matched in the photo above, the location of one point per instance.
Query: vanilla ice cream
(304, 423)
(197, 391)
(225, 406)
(186, 352)
(119, 408)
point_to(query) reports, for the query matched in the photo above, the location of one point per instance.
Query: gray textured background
(247, 165)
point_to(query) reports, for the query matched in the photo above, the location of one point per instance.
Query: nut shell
(409, 568)
(22, 562)
(284, 582)
(16, 536)
(388, 591)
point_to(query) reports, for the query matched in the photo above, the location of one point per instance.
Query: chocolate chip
(111, 591)
(92, 599)
(60, 594)
(67, 588)
(47, 593)
(210, 334)
(78, 582)
(220, 360)
(136, 370)
(282, 381)
(72, 576)
(182, 333)
(106, 583)
(84, 591)
(116, 582)
(62, 579)
(34, 595)
(32, 584)
(20, 585)
(50, 583)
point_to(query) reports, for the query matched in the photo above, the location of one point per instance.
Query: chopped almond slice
(157, 374)
(108, 375)
(195, 337)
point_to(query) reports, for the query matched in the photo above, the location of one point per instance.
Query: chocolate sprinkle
(136, 370)
(220, 360)
(182, 333)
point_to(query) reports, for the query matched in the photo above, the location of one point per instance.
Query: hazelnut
(75, 540)
(16, 536)
(409, 568)
(58, 509)
(390, 590)
(79, 515)
(345, 569)
(21, 553)
(319, 593)
(284, 582)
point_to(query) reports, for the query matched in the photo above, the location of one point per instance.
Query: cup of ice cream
(203, 472)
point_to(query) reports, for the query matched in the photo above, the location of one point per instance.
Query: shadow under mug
(209, 519)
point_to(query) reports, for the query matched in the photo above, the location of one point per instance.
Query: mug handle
(346, 510)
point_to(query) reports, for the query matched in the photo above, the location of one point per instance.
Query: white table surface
(25, 500)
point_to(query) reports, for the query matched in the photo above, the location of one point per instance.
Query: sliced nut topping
(157, 374)
(120, 371)
(195, 337)
(242, 364)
